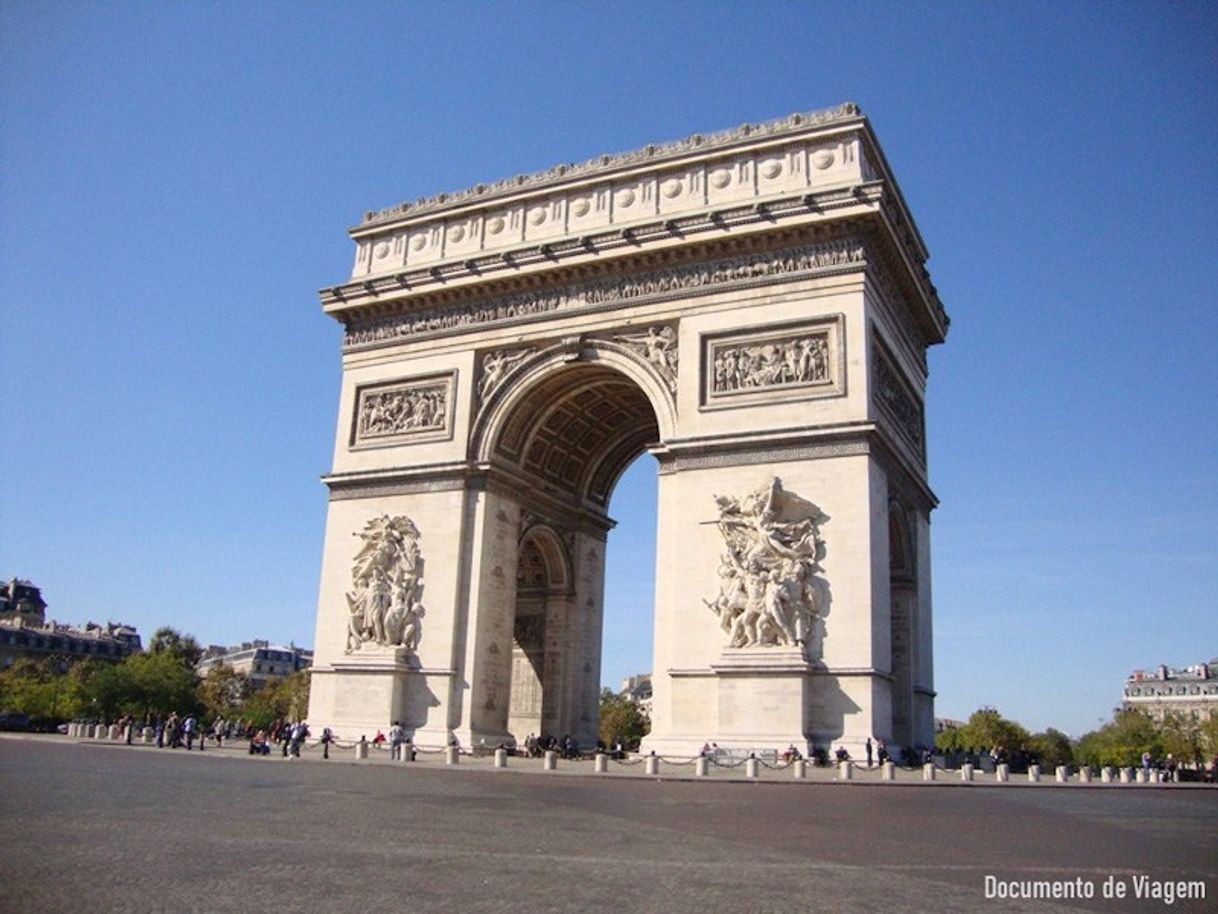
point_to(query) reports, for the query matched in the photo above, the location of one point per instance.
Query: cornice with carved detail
(650, 154)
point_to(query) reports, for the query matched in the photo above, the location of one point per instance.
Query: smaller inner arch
(542, 581)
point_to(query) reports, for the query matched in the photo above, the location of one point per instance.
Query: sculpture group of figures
(798, 360)
(769, 594)
(388, 577)
(405, 409)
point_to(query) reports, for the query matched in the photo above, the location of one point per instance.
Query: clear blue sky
(177, 180)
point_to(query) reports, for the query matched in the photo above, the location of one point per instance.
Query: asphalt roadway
(106, 827)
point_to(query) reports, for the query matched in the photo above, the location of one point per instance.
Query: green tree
(113, 691)
(1052, 748)
(1121, 742)
(621, 719)
(222, 691)
(77, 699)
(162, 683)
(950, 739)
(987, 728)
(286, 699)
(1209, 735)
(1181, 736)
(29, 687)
(168, 640)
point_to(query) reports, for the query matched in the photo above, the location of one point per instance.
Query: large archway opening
(565, 439)
(628, 649)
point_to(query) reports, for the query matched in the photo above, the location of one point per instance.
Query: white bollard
(1126, 775)
(1002, 773)
(1106, 774)
(928, 771)
(966, 773)
(652, 764)
(500, 758)
(701, 766)
(1084, 775)
(888, 771)
(1034, 774)
(1063, 774)
(799, 769)
(406, 752)
(600, 764)
(1140, 777)
(549, 761)
(452, 755)
(845, 770)
(1156, 776)
(103, 732)
(116, 732)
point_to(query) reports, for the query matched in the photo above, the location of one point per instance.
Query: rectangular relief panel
(794, 361)
(406, 411)
(895, 398)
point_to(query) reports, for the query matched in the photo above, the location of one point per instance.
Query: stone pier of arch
(752, 308)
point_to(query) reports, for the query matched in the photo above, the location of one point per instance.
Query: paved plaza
(106, 827)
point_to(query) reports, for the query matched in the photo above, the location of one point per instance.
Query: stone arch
(902, 562)
(548, 324)
(574, 416)
(543, 559)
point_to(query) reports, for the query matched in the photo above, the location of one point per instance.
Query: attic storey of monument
(750, 307)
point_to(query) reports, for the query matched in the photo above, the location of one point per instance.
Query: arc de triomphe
(752, 308)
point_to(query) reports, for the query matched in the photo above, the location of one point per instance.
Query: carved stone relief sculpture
(846, 253)
(387, 576)
(769, 592)
(893, 396)
(495, 366)
(402, 410)
(792, 362)
(659, 347)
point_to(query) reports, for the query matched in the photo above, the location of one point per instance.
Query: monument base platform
(362, 693)
(768, 699)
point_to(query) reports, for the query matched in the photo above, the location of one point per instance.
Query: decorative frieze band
(403, 412)
(828, 256)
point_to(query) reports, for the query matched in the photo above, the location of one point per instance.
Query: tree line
(147, 685)
(1120, 743)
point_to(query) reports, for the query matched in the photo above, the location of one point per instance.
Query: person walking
(396, 736)
(327, 737)
(300, 732)
(188, 728)
(868, 747)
